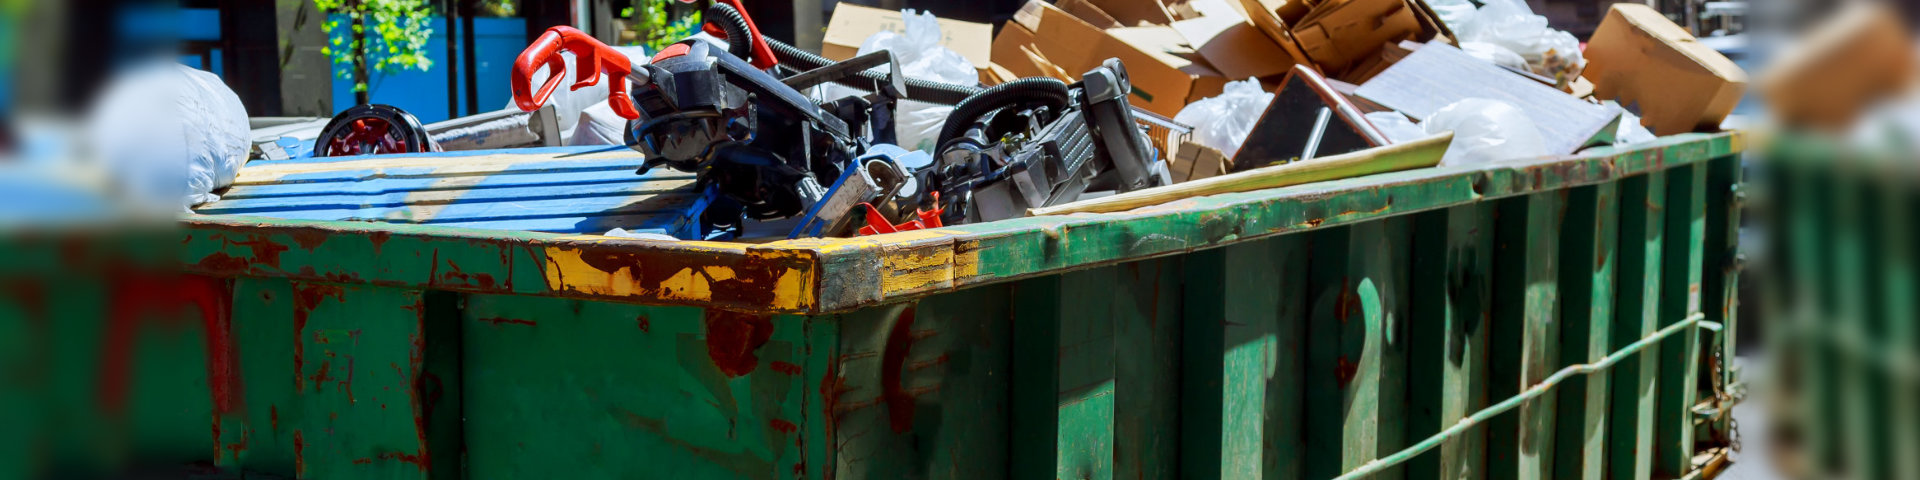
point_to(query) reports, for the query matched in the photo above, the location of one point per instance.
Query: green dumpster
(1539, 319)
(1842, 332)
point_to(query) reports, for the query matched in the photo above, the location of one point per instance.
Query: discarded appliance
(1306, 119)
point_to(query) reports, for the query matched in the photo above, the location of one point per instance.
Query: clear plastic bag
(1486, 131)
(1222, 122)
(1510, 24)
(918, 51)
(1396, 127)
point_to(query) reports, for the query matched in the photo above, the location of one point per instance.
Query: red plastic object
(591, 58)
(762, 53)
(366, 136)
(877, 224)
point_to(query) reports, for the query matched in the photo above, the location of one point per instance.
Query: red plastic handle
(762, 53)
(591, 58)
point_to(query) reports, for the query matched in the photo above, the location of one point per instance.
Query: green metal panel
(1447, 365)
(1586, 327)
(1356, 346)
(1898, 289)
(1681, 264)
(1304, 331)
(1524, 345)
(1244, 318)
(1631, 420)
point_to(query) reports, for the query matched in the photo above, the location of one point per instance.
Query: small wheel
(372, 130)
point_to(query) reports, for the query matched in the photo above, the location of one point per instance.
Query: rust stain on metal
(305, 298)
(501, 320)
(785, 367)
(900, 402)
(307, 239)
(732, 339)
(299, 453)
(646, 324)
(213, 298)
(378, 238)
(1345, 370)
(273, 416)
(762, 280)
(782, 426)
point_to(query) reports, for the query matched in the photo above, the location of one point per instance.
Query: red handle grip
(591, 58)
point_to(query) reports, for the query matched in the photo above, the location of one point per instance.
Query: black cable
(1049, 92)
(739, 42)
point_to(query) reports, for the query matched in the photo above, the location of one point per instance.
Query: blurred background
(1829, 321)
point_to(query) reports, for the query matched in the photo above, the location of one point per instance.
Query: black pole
(450, 14)
(469, 68)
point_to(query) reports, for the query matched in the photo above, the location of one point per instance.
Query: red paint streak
(221, 262)
(782, 425)
(273, 415)
(646, 324)
(500, 320)
(831, 386)
(321, 377)
(299, 459)
(732, 339)
(305, 298)
(893, 359)
(456, 275)
(214, 297)
(363, 461)
(786, 368)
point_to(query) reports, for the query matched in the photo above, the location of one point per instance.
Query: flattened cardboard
(1162, 77)
(1438, 75)
(1230, 43)
(1640, 58)
(852, 24)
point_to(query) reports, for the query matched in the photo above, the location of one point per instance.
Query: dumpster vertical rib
(1586, 292)
(1356, 346)
(1447, 364)
(360, 361)
(1680, 296)
(1144, 307)
(1898, 289)
(1063, 397)
(1719, 286)
(1525, 337)
(1856, 323)
(1241, 397)
(263, 333)
(1631, 419)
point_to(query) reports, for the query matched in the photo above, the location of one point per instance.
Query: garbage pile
(906, 121)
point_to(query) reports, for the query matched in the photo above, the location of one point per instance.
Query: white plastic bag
(1222, 122)
(918, 51)
(1510, 24)
(159, 128)
(1396, 127)
(1486, 131)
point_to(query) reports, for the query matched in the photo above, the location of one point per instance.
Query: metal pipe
(1375, 466)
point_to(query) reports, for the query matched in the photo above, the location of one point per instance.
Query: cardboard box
(1640, 58)
(1343, 38)
(852, 24)
(1230, 43)
(1844, 65)
(1044, 40)
(1195, 161)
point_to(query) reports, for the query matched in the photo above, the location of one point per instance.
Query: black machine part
(372, 129)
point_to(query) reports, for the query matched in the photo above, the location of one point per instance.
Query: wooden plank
(1447, 359)
(1631, 422)
(358, 363)
(1683, 259)
(1525, 339)
(1241, 401)
(1587, 249)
